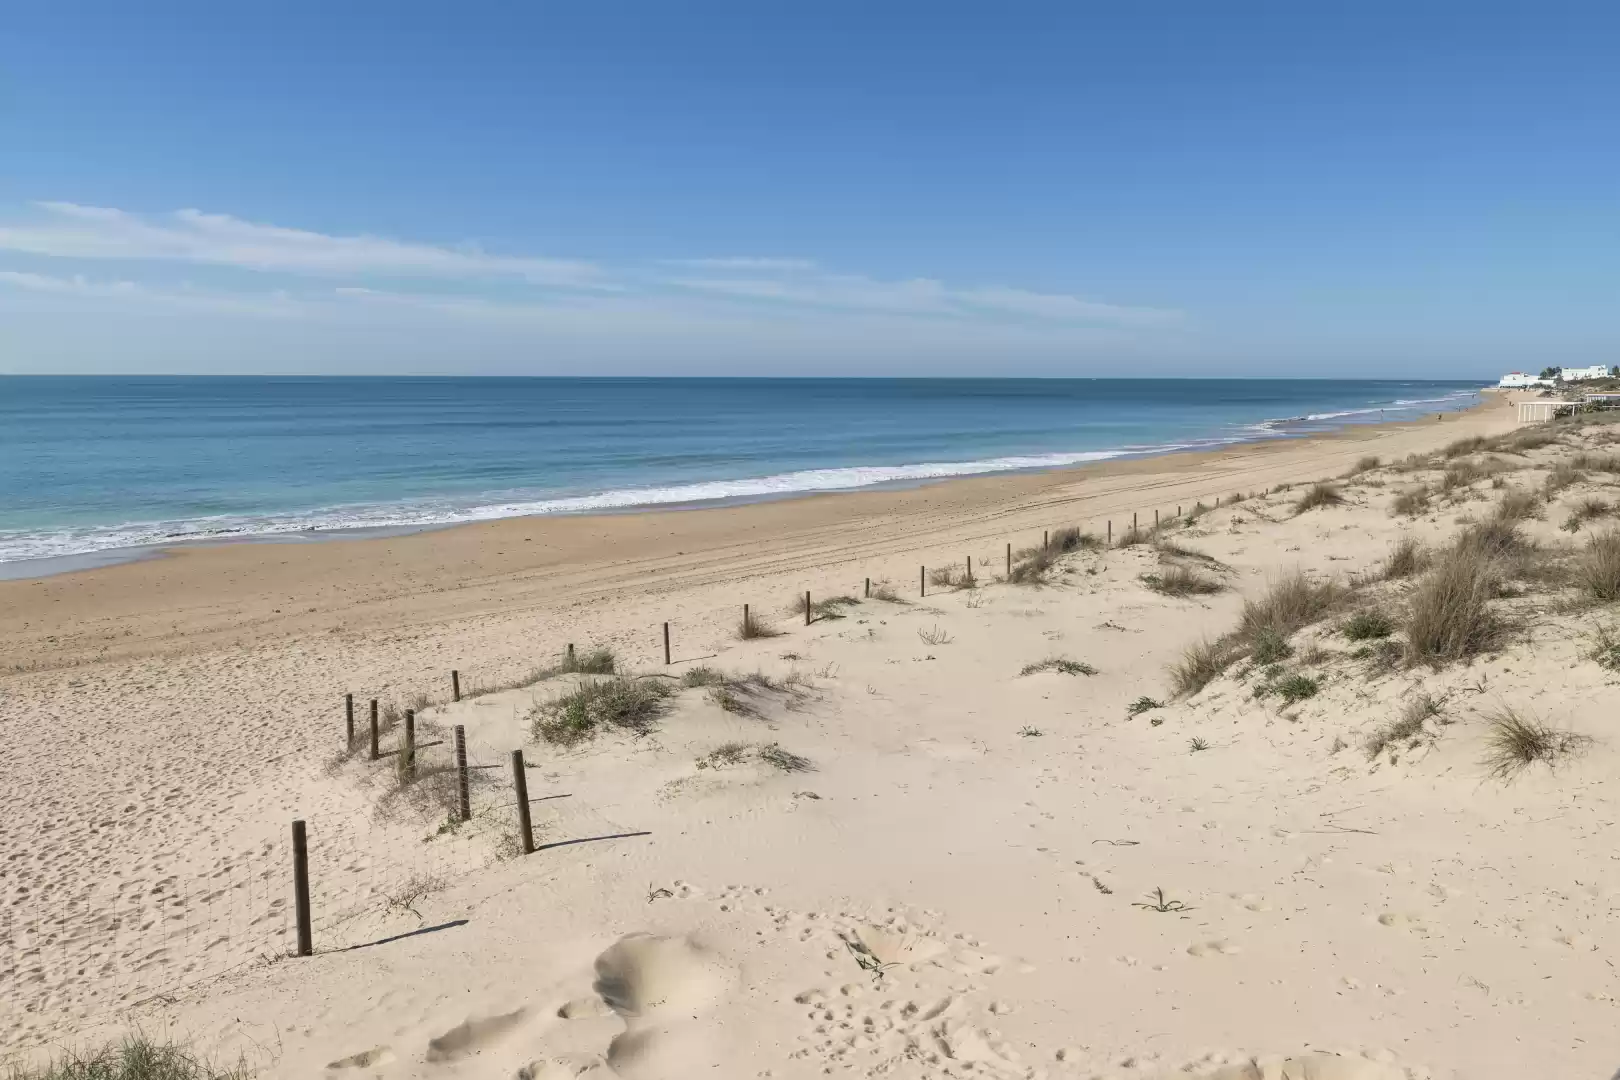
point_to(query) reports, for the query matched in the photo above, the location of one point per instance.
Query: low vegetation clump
(883, 590)
(703, 676)
(1034, 566)
(1406, 729)
(1199, 665)
(1291, 687)
(1606, 463)
(1526, 440)
(1515, 742)
(1060, 665)
(772, 754)
(1412, 463)
(1518, 506)
(1411, 502)
(1366, 464)
(752, 627)
(946, 577)
(1071, 538)
(1369, 624)
(621, 703)
(1472, 444)
(1268, 646)
(1450, 616)
(1606, 647)
(1133, 536)
(1319, 494)
(1292, 603)
(741, 694)
(1406, 559)
(1182, 581)
(830, 608)
(1586, 510)
(1141, 705)
(136, 1058)
(1563, 475)
(1597, 571)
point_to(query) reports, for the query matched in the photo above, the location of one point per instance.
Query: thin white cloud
(275, 303)
(744, 262)
(67, 230)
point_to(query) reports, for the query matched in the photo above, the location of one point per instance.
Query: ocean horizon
(99, 464)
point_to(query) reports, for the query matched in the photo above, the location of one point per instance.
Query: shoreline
(210, 595)
(33, 568)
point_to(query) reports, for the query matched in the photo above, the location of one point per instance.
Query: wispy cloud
(67, 230)
(743, 262)
(276, 303)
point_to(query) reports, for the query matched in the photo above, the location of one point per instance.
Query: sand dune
(912, 849)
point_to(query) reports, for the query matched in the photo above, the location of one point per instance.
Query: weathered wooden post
(463, 799)
(520, 786)
(868, 588)
(407, 761)
(922, 581)
(570, 656)
(807, 607)
(1110, 540)
(1009, 561)
(373, 729)
(1046, 538)
(348, 719)
(666, 644)
(455, 685)
(1155, 520)
(300, 846)
(970, 569)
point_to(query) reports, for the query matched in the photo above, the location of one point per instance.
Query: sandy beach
(897, 853)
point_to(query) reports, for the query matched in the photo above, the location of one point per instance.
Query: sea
(94, 468)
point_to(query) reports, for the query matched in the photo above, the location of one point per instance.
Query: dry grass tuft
(1515, 742)
(1132, 537)
(883, 590)
(1606, 463)
(1411, 502)
(136, 1058)
(1366, 464)
(1071, 538)
(1408, 728)
(1406, 559)
(1061, 665)
(1182, 581)
(1563, 475)
(1034, 566)
(1597, 571)
(623, 703)
(1202, 662)
(1369, 624)
(772, 754)
(1450, 616)
(1291, 604)
(1320, 494)
(1586, 510)
(1518, 505)
(1466, 446)
(752, 626)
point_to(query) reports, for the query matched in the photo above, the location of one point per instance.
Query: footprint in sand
(659, 987)
(473, 1035)
(365, 1059)
(1213, 948)
(1309, 1067)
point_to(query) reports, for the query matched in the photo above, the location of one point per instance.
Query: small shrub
(1584, 511)
(1292, 603)
(1563, 475)
(1320, 494)
(1494, 538)
(1141, 705)
(882, 590)
(625, 703)
(1407, 728)
(1366, 464)
(1033, 567)
(1199, 664)
(1368, 625)
(1514, 743)
(752, 627)
(935, 636)
(1606, 647)
(1071, 538)
(1182, 581)
(595, 662)
(1058, 664)
(1410, 503)
(1597, 572)
(1268, 646)
(703, 676)
(1466, 446)
(1132, 537)
(1450, 616)
(1295, 687)
(944, 576)
(1518, 506)
(1406, 559)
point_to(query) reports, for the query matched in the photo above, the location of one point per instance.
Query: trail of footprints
(898, 998)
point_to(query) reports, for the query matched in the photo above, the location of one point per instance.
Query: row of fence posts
(520, 785)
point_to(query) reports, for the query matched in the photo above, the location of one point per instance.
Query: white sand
(956, 888)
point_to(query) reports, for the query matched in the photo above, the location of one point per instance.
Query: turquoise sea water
(96, 464)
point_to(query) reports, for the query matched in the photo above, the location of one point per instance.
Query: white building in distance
(1518, 380)
(1581, 374)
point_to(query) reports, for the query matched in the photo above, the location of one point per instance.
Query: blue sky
(835, 188)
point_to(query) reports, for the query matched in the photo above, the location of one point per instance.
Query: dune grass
(1201, 663)
(1449, 616)
(1368, 624)
(1563, 475)
(1410, 503)
(1072, 538)
(621, 703)
(752, 627)
(1182, 581)
(1406, 559)
(1292, 603)
(1515, 741)
(1061, 665)
(1408, 728)
(1597, 571)
(1518, 505)
(136, 1058)
(1366, 464)
(1469, 445)
(1318, 495)
(1587, 509)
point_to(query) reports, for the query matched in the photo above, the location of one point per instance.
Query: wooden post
(1009, 560)
(1155, 520)
(408, 760)
(745, 616)
(1110, 540)
(455, 685)
(970, 568)
(306, 937)
(348, 718)
(1133, 521)
(666, 644)
(520, 785)
(807, 607)
(868, 588)
(463, 801)
(373, 729)
(1178, 509)
(1046, 538)
(570, 655)
(922, 581)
